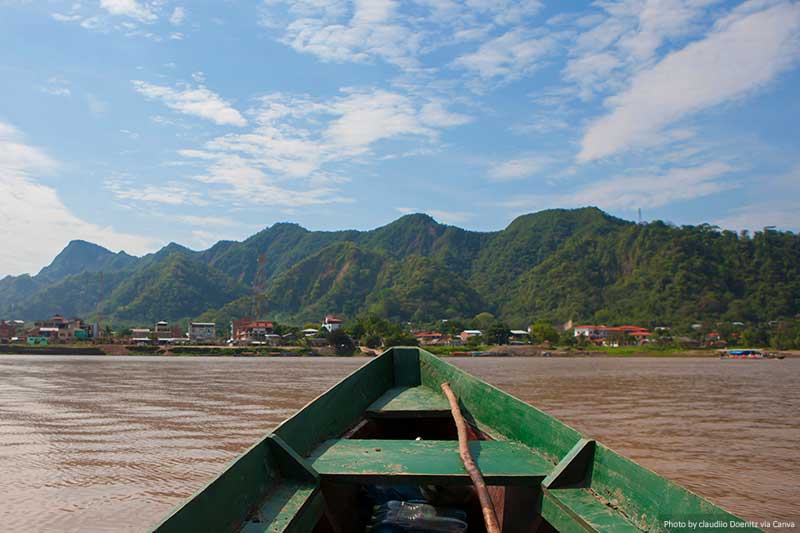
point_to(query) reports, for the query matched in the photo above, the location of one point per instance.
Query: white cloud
(34, 219)
(129, 8)
(632, 192)
(745, 51)
(178, 16)
(371, 31)
(298, 138)
(520, 168)
(399, 33)
(56, 90)
(61, 17)
(199, 101)
(169, 193)
(435, 114)
(195, 220)
(366, 117)
(591, 72)
(510, 56)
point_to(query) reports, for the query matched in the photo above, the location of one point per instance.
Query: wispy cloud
(396, 32)
(196, 101)
(199, 220)
(514, 169)
(510, 56)
(56, 86)
(643, 190)
(130, 8)
(371, 31)
(297, 138)
(743, 52)
(169, 193)
(178, 15)
(33, 234)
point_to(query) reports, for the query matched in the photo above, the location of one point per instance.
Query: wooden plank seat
(399, 402)
(292, 506)
(579, 510)
(427, 461)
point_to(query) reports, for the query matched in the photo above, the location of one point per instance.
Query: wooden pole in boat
(489, 515)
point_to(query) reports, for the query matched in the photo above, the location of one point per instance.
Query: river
(113, 443)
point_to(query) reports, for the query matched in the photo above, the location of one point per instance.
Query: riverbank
(298, 351)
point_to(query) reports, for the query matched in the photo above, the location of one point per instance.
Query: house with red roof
(332, 323)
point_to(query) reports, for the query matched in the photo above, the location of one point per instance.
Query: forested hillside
(577, 264)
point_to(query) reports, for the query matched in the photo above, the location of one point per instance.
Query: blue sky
(133, 123)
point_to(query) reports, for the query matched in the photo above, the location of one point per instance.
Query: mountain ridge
(561, 264)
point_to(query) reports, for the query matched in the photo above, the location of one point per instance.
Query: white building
(140, 335)
(591, 332)
(202, 331)
(469, 333)
(332, 323)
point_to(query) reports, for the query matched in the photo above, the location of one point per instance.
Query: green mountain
(175, 287)
(579, 264)
(82, 256)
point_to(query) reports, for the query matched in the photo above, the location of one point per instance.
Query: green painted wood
(340, 407)
(500, 414)
(579, 510)
(406, 366)
(225, 502)
(648, 498)
(410, 401)
(575, 469)
(259, 479)
(292, 507)
(273, 478)
(291, 464)
(431, 462)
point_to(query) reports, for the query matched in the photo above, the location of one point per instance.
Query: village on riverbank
(482, 335)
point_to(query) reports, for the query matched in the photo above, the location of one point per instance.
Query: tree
(754, 336)
(357, 330)
(482, 321)
(498, 333)
(542, 331)
(567, 338)
(475, 341)
(400, 340)
(372, 341)
(341, 342)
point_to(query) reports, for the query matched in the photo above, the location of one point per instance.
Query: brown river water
(114, 443)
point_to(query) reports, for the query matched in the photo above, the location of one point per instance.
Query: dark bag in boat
(417, 517)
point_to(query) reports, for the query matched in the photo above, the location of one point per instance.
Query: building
(247, 331)
(8, 331)
(166, 334)
(202, 331)
(519, 336)
(60, 329)
(310, 332)
(34, 340)
(430, 338)
(613, 336)
(626, 335)
(469, 333)
(596, 334)
(332, 323)
(141, 336)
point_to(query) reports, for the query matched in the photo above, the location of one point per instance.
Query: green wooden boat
(387, 428)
